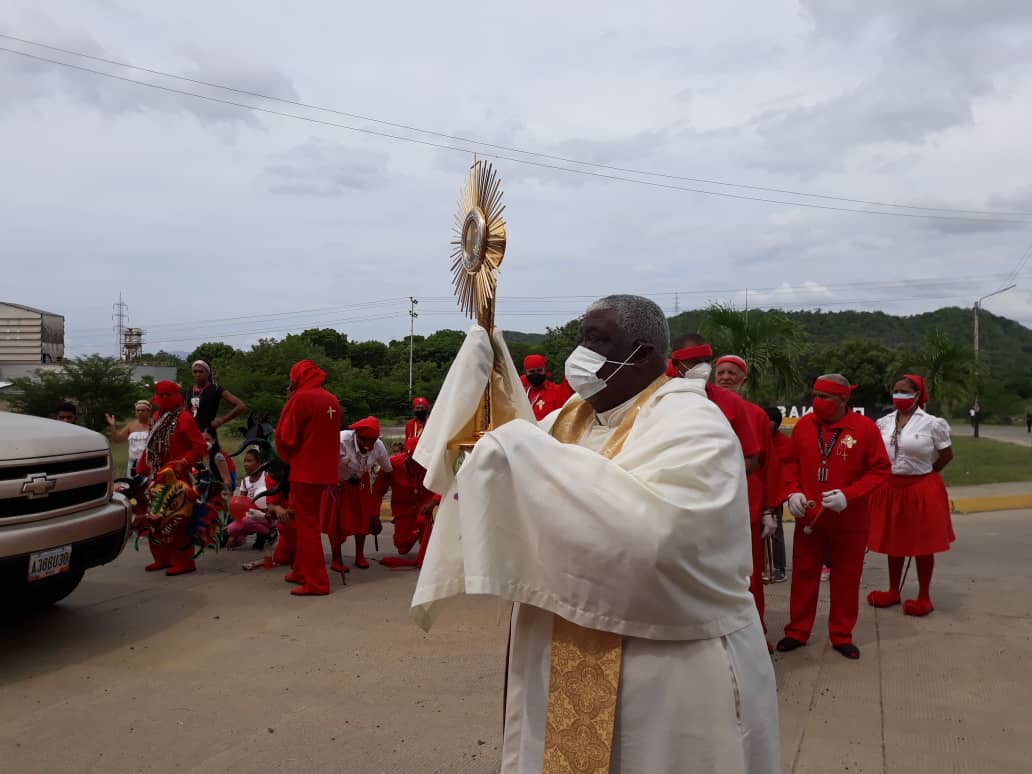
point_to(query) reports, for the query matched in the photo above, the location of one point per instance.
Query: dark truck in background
(58, 514)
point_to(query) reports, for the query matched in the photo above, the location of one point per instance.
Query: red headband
(692, 353)
(919, 382)
(735, 361)
(833, 388)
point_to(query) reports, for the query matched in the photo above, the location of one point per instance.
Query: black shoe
(849, 650)
(259, 542)
(787, 644)
(779, 577)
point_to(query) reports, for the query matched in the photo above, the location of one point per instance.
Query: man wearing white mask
(619, 527)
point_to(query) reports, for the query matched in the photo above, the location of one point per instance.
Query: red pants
(306, 501)
(846, 550)
(405, 531)
(756, 579)
(286, 543)
(177, 554)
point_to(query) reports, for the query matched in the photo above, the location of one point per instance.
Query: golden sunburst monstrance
(479, 243)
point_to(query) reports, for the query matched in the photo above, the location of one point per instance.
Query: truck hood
(26, 437)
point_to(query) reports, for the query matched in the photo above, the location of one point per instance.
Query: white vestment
(652, 544)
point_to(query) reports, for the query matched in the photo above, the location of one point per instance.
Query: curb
(986, 504)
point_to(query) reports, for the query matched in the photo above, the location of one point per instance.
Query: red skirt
(910, 516)
(349, 511)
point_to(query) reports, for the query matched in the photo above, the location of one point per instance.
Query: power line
(1023, 219)
(506, 148)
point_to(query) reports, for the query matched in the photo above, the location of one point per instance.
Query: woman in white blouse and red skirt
(910, 513)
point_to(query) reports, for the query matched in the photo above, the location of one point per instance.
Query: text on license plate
(53, 561)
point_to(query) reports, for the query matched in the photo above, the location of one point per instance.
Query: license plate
(53, 561)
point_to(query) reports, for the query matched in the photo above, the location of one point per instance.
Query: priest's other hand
(797, 504)
(834, 500)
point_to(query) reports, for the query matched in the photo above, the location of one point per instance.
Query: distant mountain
(516, 337)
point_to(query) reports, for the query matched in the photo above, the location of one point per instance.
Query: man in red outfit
(412, 507)
(837, 459)
(420, 411)
(308, 441)
(545, 396)
(750, 422)
(176, 443)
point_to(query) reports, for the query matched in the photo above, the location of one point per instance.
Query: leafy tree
(770, 342)
(869, 364)
(948, 370)
(334, 343)
(97, 385)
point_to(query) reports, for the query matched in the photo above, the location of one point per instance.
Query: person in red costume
(910, 514)
(410, 500)
(545, 396)
(837, 460)
(307, 440)
(763, 477)
(174, 442)
(420, 412)
(360, 453)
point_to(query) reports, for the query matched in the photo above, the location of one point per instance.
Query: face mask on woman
(904, 401)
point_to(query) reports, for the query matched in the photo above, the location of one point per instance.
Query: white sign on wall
(794, 412)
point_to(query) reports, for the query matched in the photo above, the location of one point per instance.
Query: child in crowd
(248, 510)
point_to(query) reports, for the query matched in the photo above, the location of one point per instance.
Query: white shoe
(825, 573)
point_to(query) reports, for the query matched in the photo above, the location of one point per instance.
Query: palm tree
(948, 370)
(769, 341)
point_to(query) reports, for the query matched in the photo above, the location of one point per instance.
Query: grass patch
(984, 461)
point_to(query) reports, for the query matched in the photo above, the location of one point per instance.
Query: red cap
(534, 361)
(735, 361)
(420, 403)
(367, 429)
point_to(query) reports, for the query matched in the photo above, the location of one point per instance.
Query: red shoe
(294, 577)
(361, 563)
(399, 562)
(919, 607)
(180, 570)
(155, 566)
(883, 598)
(338, 566)
(308, 591)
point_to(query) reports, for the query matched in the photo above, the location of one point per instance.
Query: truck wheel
(52, 591)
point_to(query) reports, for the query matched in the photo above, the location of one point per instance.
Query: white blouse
(914, 451)
(354, 463)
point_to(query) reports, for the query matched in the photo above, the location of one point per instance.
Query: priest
(635, 644)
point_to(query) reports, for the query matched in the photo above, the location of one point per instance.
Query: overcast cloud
(221, 223)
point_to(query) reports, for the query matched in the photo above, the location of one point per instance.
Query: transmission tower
(120, 315)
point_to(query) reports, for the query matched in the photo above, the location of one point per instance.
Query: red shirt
(547, 398)
(186, 445)
(414, 428)
(761, 495)
(856, 464)
(308, 433)
(408, 494)
(735, 408)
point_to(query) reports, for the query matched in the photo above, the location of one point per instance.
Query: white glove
(834, 500)
(797, 505)
(770, 525)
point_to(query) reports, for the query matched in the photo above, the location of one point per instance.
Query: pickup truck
(58, 514)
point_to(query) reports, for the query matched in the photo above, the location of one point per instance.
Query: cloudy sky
(218, 222)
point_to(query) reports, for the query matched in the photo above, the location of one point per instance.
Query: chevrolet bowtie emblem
(38, 485)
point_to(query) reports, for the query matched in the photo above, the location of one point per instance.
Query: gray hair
(837, 378)
(640, 318)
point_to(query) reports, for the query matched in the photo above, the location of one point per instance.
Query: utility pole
(677, 304)
(120, 315)
(975, 418)
(412, 331)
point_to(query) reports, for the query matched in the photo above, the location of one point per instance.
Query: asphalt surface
(224, 671)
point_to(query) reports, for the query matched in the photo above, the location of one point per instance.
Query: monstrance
(479, 246)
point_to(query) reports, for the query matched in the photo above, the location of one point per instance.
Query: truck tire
(51, 591)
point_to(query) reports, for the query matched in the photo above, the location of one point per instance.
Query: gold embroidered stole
(584, 673)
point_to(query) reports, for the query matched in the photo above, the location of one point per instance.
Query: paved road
(1008, 433)
(224, 671)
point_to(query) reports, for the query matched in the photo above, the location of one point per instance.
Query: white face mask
(582, 367)
(699, 371)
